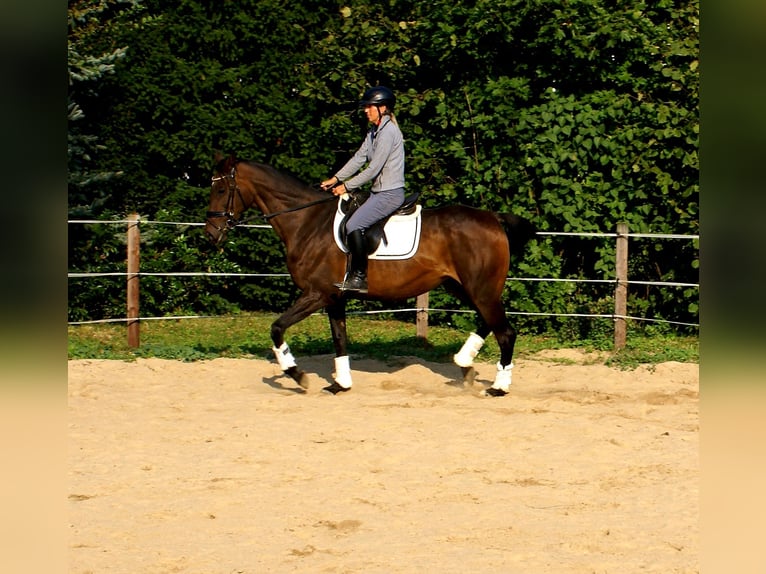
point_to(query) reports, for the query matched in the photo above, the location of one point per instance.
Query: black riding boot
(356, 279)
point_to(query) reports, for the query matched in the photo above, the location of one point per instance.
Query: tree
(88, 64)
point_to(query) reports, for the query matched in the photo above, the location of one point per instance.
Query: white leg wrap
(471, 348)
(342, 374)
(503, 377)
(284, 357)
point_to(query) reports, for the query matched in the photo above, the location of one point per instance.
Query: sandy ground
(225, 467)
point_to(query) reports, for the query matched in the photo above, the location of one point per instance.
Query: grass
(248, 335)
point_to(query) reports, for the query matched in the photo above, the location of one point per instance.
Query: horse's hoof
(493, 392)
(335, 388)
(298, 376)
(469, 374)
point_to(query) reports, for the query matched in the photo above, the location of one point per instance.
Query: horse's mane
(283, 177)
(280, 178)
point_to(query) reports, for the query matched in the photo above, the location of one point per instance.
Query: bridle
(234, 191)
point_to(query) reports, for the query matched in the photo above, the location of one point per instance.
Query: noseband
(233, 190)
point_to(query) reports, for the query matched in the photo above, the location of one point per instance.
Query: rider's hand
(339, 189)
(328, 183)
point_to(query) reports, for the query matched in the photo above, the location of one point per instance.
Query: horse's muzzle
(215, 235)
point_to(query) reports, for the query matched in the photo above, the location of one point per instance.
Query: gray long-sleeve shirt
(383, 152)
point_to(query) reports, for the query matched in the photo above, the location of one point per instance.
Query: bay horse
(466, 249)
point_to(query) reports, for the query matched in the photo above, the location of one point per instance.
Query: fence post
(421, 319)
(134, 248)
(621, 290)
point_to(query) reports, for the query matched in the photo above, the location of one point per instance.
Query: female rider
(382, 152)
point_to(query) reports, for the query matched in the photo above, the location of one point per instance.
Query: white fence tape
(76, 275)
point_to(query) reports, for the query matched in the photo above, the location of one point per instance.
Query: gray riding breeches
(377, 206)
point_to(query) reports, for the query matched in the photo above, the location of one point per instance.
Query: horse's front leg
(306, 304)
(342, 376)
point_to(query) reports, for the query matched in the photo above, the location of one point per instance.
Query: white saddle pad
(402, 235)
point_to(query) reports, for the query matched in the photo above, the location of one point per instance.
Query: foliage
(89, 62)
(577, 115)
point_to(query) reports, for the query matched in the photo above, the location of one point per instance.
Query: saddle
(376, 233)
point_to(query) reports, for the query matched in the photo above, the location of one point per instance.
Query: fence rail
(266, 226)
(232, 274)
(620, 282)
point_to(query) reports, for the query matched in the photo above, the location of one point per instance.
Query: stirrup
(354, 283)
(351, 289)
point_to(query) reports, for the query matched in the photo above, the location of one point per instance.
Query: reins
(231, 222)
(299, 207)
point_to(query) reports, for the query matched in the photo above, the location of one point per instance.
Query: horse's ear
(224, 163)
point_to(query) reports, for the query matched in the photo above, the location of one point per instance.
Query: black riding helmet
(378, 96)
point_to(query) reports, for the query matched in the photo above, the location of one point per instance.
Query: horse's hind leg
(464, 358)
(506, 340)
(493, 319)
(305, 305)
(467, 353)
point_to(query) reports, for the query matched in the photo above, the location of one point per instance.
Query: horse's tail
(519, 231)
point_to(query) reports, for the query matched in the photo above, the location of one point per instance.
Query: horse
(468, 250)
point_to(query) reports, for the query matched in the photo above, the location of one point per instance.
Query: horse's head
(226, 203)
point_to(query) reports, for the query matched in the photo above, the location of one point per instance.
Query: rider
(382, 151)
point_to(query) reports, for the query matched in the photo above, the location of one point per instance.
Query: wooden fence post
(134, 249)
(421, 320)
(621, 290)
